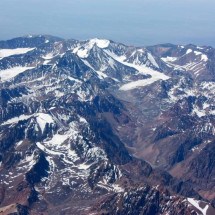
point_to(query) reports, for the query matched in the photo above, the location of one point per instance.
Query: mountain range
(99, 127)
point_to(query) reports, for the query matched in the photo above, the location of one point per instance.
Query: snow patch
(49, 56)
(18, 144)
(151, 58)
(100, 74)
(189, 51)
(195, 148)
(169, 59)
(198, 112)
(28, 162)
(57, 139)
(43, 119)
(17, 119)
(82, 53)
(83, 166)
(204, 57)
(11, 52)
(197, 53)
(195, 203)
(117, 188)
(74, 79)
(46, 62)
(7, 74)
(48, 151)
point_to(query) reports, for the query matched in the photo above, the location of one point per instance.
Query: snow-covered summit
(83, 49)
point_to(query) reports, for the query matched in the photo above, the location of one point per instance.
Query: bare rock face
(97, 127)
(143, 200)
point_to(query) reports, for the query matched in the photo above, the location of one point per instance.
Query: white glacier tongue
(135, 84)
(142, 69)
(11, 52)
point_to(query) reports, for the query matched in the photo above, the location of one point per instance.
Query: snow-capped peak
(82, 50)
(101, 43)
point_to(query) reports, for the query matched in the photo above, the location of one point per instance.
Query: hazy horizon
(132, 22)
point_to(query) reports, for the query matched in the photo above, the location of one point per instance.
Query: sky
(134, 22)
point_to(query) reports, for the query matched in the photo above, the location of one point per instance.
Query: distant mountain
(98, 127)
